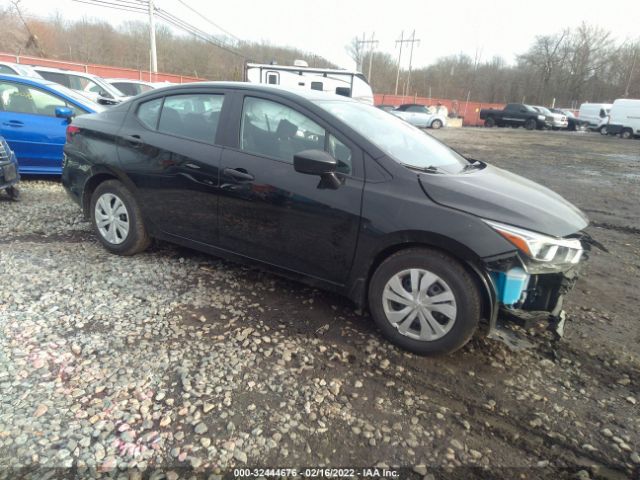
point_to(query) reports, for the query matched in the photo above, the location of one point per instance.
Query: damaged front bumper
(528, 296)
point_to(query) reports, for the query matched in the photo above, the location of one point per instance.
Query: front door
(272, 213)
(167, 146)
(29, 124)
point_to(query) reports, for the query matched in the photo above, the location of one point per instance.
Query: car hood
(495, 194)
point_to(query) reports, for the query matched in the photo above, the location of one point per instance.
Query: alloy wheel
(112, 218)
(419, 304)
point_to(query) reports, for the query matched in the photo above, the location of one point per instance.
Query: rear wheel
(626, 133)
(530, 124)
(436, 124)
(424, 301)
(489, 122)
(117, 219)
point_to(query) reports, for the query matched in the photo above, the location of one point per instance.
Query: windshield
(544, 110)
(403, 142)
(81, 100)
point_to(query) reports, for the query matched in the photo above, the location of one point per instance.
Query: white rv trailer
(348, 83)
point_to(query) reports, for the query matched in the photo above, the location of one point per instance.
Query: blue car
(34, 115)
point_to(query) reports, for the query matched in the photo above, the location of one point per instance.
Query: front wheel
(436, 124)
(117, 219)
(604, 130)
(530, 124)
(424, 301)
(490, 122)
(13, 192)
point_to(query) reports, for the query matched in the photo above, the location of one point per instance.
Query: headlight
(543, 253)
(541, 117)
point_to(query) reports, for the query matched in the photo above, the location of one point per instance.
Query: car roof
(67, 72)
(35, 81)
(286, 92)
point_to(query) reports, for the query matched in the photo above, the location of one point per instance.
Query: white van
(349, 83)
(597, 114)
(624, 118)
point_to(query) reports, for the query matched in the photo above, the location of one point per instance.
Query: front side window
(193, 116)
(56, 78)
(277, 131)
(22, 99)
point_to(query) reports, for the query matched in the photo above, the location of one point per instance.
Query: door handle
(134, 140)
(238, 174)
(13, 123)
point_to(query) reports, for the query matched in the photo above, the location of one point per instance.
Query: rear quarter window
(149, 112)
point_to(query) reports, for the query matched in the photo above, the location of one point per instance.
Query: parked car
(34, 114)
(624, 118)
(420, 116)
(596, 115)
(332, 191)
(573, 122)
(386, 108)
(515, 115)
(9, 176)
(9, 68)
(90, 86)
(131, 88)
(558, 120)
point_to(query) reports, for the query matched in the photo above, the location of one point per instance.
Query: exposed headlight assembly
(543, 254)
(541, 117)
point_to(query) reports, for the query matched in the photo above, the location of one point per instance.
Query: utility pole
(633, 67)
(413, 40)
(402, 41)
(371, 42)
(152, 39)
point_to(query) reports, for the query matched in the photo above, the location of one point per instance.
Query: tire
(13, 192)
(436, 124)
(106, 203)
(603, 130)
(489, 122)
(437, 274)
(515, 126)
(626, 133)
(530, 124)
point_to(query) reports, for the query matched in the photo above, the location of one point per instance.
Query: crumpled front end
(530, 285)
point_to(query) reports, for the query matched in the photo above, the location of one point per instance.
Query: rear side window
(149, 113)
(56, 77)
(5, 69)
(193, 116)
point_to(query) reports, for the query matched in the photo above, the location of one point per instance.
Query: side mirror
(314, 162)
(318, 162)
(64, 112)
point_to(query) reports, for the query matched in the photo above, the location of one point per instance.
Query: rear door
(30, 126)
(270, 212)
(168, 148)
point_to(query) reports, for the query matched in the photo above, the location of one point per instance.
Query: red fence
(469, 111)
(100, 70)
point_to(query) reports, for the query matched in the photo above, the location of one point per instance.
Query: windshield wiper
(429, 169)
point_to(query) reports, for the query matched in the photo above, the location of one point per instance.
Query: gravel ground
(178, 363)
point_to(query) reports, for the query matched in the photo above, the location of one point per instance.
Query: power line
(209, 21)
(139, 7)
(181, 24)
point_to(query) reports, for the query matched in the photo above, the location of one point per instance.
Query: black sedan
(336, 193)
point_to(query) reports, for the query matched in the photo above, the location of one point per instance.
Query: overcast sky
(444, 27)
